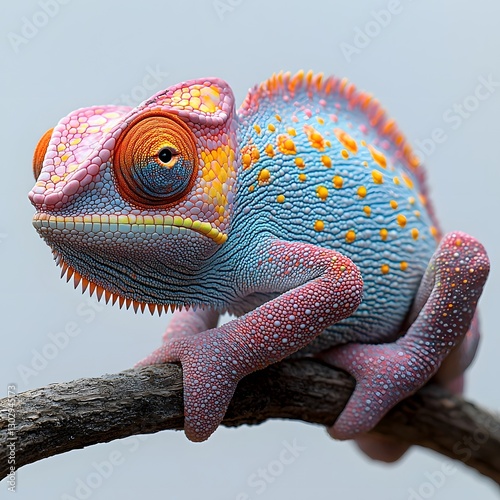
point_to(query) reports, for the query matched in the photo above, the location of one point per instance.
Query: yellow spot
(383, 234)
(246, 159)
(278, 117)
(346, 140)
(434, 231)
(367, 210)
(251, 188)
(322, 192)
(327, 161)
(75, 141)
(361, 191)
(271, 127)
(378, 156)
(363, 143)
(407, 180)
(364, 163)
(401, 219)
(249, 155)
(414, 233)
(328, 144)
(299, 162)
(396, 181)
(403, 265)
(210, 98)
(350, 236)
(319, 225)
(422, 199)
(411, 199)
(269, 150)
(417, 213)
(257, 129)
(264, 176)
(286, 145)
(320, 120)
(55, 178)
(315, 138)
(291, 131)
(458, 242)
(302, 177)
(255, 154)
(61, 147)
(378, 178)
(385, 269)
(344, 154)
(394, 204)
(280, 198)
(338, 182)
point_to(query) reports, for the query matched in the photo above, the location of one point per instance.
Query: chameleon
(304, 214)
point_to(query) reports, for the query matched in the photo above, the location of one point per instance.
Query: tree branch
(68, 416)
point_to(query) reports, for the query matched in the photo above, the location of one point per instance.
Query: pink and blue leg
(449, 375)
(444, 309)
(320, 287)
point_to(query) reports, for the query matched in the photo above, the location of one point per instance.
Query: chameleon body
(304, 213)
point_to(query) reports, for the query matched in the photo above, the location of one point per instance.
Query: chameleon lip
(125, 224)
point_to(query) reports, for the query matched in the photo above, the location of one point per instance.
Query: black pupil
(165, 155)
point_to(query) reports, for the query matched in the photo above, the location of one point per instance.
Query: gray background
(427, 58)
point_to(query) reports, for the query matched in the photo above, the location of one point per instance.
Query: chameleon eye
(39, 154)
(167, 156)
(155, 160)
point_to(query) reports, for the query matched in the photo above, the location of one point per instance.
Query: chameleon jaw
(125, 224)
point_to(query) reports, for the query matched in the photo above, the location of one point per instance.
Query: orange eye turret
(155, 161)
(39, 154)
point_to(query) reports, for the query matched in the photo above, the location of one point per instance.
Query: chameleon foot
(445, 305)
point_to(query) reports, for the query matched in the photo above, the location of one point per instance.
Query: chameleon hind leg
(317, 287)
(450, 375)
(444, 308)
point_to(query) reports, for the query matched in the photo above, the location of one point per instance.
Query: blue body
(261, 212)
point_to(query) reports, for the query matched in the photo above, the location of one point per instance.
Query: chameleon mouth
(126, 224)
(78, 280)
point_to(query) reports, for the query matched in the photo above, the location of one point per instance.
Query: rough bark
(68, 416)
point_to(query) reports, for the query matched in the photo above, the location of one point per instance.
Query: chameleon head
(129, 199)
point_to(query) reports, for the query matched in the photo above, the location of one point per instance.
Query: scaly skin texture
(305, 214)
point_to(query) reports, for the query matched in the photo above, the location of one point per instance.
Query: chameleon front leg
(320, 287)
(387, 373)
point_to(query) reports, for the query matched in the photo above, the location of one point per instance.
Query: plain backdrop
(423, 60)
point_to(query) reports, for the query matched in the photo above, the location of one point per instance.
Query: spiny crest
(288, 86)
(78, 279)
